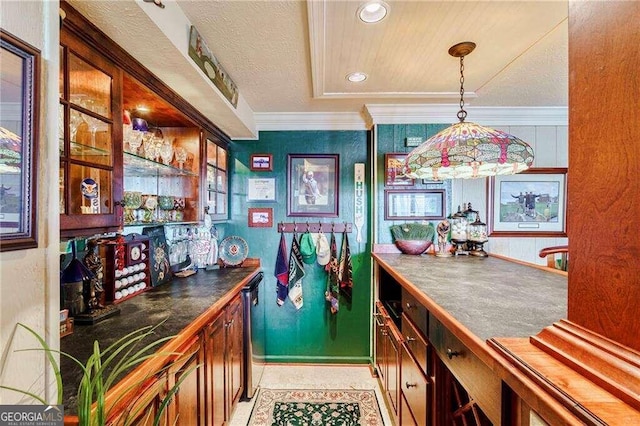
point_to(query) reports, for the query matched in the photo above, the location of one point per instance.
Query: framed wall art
(261, 189)
(260, 217)
(417, 204)
(261, 162)
(19, 109)
(528, 204)
(312, 185)
(393, 165)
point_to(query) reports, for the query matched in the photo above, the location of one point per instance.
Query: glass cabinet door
(216, 187)
(90, 140)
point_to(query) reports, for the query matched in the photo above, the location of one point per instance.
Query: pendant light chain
(462, 114)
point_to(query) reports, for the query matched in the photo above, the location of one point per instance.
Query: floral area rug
(282, 407)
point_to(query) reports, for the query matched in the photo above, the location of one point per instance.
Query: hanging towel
(333, 282)
(282, 272)
(296, 272)
(345, 273)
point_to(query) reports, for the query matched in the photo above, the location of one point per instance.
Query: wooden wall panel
(604, 158)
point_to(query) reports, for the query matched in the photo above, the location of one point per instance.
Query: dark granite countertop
(490, 297)
(179, 302)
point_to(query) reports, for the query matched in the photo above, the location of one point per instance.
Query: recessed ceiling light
(356, 77)
(373, 11)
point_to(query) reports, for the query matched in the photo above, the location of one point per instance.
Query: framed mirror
(19, 101)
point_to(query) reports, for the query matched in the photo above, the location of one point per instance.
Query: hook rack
(337, 227)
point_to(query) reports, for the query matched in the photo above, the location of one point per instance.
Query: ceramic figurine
(95, 291)
(443, 237)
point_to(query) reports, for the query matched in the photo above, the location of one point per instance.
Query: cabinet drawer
(414, 389)
(415, 311)
(416, 343)
(475, 376)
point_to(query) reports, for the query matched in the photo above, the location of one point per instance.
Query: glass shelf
(135, 165)
(160, 223)
(80, 150)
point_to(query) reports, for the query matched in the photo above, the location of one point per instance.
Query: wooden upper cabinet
(164, 167)
(90, 139)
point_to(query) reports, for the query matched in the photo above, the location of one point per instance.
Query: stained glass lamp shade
(467, 150)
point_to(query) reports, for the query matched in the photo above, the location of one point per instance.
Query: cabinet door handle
(410, 385)
(451, 353)
(411, 339)
(409, 305)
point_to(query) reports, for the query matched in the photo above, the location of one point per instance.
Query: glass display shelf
(80, 150)
(156, 223)
(135, 165)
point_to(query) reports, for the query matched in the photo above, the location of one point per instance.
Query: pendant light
(467, 150)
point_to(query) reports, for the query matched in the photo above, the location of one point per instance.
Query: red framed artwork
(260, 217)
(261, 162)
(393, 165)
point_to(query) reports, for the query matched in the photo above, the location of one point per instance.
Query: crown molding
(492, 116)
(310, 121)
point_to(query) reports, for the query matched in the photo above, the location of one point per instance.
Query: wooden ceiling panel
(160, 112)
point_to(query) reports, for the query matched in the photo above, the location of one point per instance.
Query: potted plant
(101, 371)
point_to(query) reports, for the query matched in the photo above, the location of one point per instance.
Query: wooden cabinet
(217, 176)
(223, 363)
(473, 375)
(427, 374)
(388, 343)
(90, 123)
(131, 151)
(186, 374)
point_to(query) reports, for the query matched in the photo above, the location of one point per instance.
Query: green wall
(392, 138)
(312, 334)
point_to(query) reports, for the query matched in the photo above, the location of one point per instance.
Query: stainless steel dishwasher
(254, 335)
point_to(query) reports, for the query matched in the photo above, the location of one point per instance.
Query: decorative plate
(233, 250)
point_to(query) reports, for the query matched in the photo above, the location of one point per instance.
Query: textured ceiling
(292, 56)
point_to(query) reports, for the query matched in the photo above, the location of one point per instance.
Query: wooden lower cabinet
(186, 374)
(223, 363)
(419, 379)
(388, 343)
(415, 392)
(146, 405)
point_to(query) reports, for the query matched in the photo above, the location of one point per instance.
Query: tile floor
(291, 376)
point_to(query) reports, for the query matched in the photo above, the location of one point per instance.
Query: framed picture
(19, 77)
(531, 203)
(393, 165)
(312, 185)
(261, 189)
(418, 204)
(260, 217)
(261, 162)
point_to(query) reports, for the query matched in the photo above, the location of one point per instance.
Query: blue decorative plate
(233, 250)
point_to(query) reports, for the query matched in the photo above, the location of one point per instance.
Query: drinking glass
(181, 156)
(166, 151)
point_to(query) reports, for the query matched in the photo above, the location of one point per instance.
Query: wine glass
(166, 151)
(135, 140)
(74, 122)
(181, 156)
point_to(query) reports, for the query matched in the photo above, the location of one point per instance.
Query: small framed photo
(260, 217)
(261, 162)
(393, 165)
(414, 204)
(261, 189)
(528, 204)
(312, 185)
